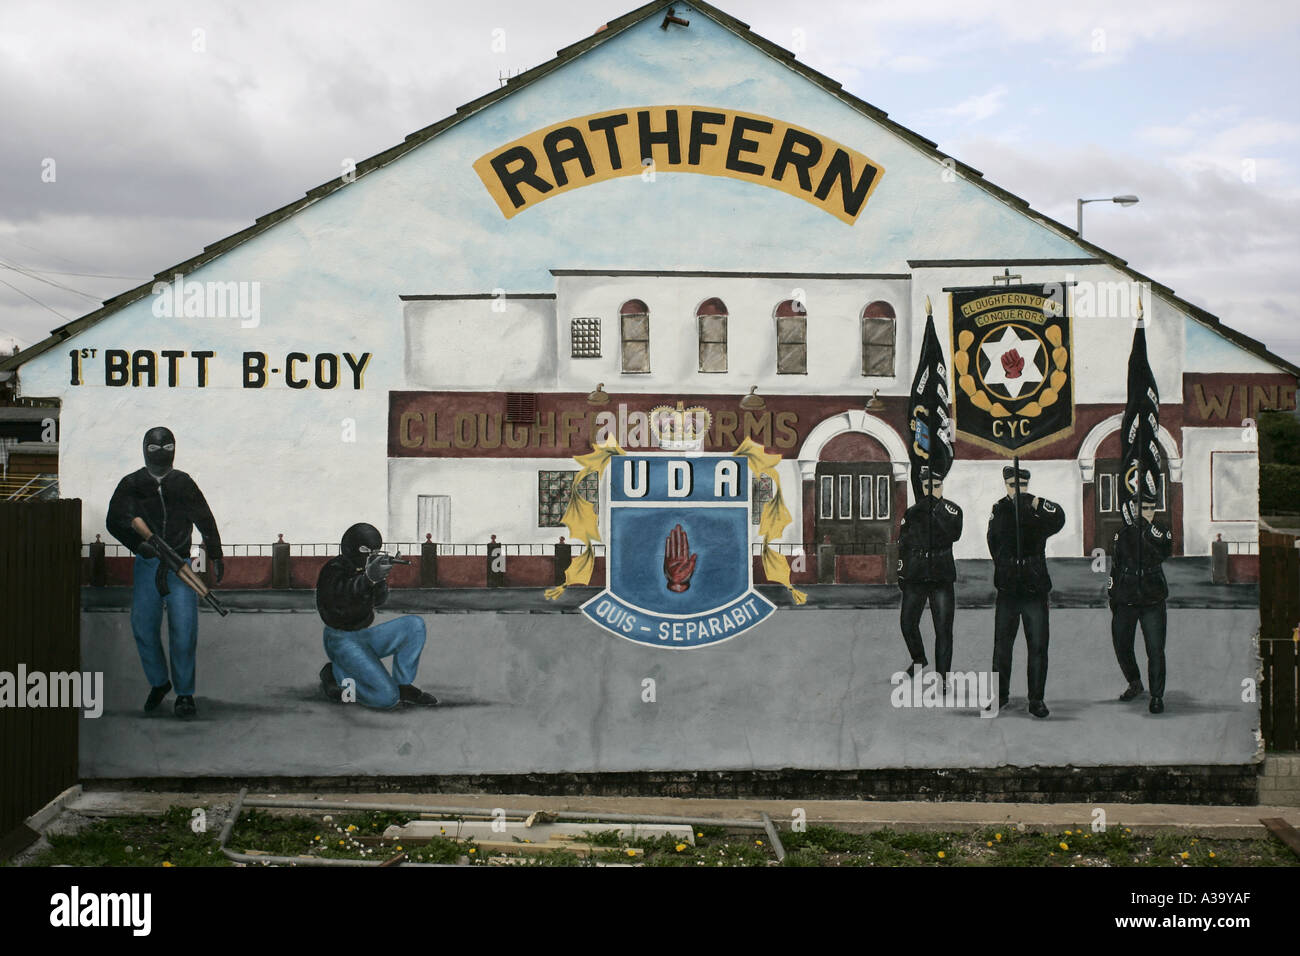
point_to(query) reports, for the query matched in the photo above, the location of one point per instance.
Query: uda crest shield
(678, 557)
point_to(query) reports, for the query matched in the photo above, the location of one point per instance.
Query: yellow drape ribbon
(775, 517)
(581, 517)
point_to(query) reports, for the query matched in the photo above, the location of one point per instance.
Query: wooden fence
(40, 629)
(1279, 615)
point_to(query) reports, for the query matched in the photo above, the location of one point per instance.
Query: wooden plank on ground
(1284, 832)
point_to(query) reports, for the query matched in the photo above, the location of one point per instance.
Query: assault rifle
(171, 561)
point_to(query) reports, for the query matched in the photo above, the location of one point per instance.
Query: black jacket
(925, 542)
(345, 597)
(1036, 526)
(171, 508)
(1136, 575)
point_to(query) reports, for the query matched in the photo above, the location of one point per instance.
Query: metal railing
(407, 548)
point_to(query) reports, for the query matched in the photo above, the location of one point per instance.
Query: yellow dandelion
(317, 838)
(941, 854)
(990, 843)
(1211, 854)
(165, 863)
(340, 842)
(758, 843)
(680, 847)
(998, 837)
(1063, 845)
(1067, 832)
(700, 834)
(631, 852)
(399, 848)
(472, 850)
(1184, 855)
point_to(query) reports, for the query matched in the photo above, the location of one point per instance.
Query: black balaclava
(355, 538)
(159, 462)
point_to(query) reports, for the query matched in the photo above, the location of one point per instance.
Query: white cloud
(973, 109)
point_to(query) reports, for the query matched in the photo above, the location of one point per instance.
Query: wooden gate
(1279, 614)
(40, 628)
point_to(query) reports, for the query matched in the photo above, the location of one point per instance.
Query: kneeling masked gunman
(348, 590)
(1137, 592)
(926, 572)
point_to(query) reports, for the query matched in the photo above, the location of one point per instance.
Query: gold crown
(680, 428)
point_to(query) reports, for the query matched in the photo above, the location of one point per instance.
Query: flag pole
(1141, 446)
(1015, 477)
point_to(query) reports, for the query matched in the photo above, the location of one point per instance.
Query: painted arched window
(791, 338)
(711, 318)
(879, 332)
(634, 332)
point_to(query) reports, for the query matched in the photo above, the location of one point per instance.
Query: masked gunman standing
(172, 505)
(926, 572)
(348, 590)
(1018, 531)
(1137, 591)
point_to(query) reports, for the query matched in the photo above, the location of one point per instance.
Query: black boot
(156, 696)
(1157, 705)
(1132, 691)
(412, 696)
(328, 685)
(1038, 708)
(185, 706)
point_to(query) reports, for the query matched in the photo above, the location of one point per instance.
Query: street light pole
(1126, 200)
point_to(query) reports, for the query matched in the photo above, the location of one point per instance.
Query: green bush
(1279, 438)
(1279, 489)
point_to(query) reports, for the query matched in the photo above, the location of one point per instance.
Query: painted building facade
(657, 216)
(407, 345)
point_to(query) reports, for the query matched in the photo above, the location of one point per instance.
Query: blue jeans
(182, 626)
(357, 654)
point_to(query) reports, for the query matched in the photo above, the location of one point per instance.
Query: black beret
(1149, 497)
(1009, 472)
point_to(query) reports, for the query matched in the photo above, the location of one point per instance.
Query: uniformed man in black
(926, 572)
(1023, 584)
(1137, 591)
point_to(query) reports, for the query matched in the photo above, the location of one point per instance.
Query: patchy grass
(169, 840)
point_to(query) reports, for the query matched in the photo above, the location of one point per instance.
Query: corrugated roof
(563, 57)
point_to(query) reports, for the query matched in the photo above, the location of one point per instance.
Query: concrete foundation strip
(242, 801)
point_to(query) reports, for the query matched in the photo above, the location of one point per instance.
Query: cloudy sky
(173, 124)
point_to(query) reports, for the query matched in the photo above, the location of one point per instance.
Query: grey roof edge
(713, 274)
(994, 263)
(565, 55)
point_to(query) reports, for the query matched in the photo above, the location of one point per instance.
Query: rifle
(171, 561)
(1016, 478)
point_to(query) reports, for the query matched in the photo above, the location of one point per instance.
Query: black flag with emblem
(929, 412)
(1139, 430)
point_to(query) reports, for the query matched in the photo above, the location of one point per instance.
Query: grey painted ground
(552, 692)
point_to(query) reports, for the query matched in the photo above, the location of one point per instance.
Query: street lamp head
(1125, 200)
